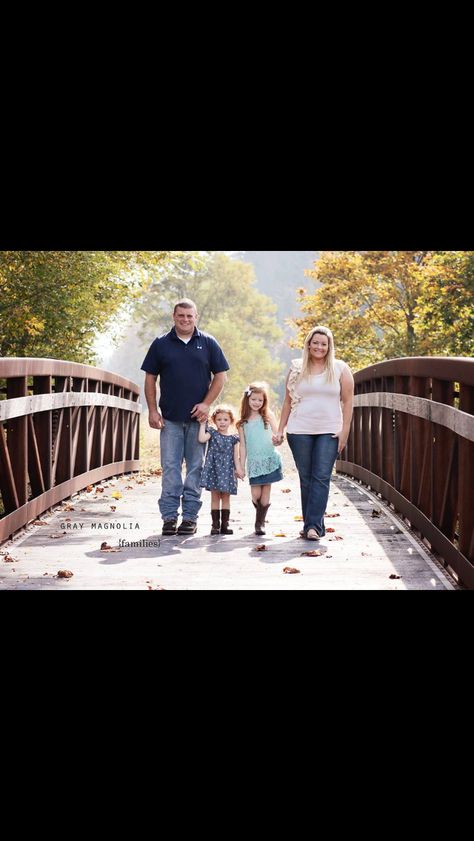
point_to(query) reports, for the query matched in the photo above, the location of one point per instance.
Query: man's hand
(155, 420)
(278, 438)
(200, 412)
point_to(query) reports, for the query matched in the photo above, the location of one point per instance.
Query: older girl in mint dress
(256, 427)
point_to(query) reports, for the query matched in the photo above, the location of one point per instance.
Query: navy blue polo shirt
(184, 370)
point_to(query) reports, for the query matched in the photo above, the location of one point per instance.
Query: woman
(318, 410)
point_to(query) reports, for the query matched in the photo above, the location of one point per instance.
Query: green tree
(230, 308)
(445, 316)
(54, 303)
(387, 304)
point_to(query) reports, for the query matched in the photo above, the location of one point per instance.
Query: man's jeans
(179, 442)
(314, 456)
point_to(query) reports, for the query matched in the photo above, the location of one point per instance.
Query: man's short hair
(186, 303)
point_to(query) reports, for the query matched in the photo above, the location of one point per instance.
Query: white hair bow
(248, 392)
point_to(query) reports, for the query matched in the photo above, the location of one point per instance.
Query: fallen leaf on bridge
(39, 523)
(330, 530)
(285, 490)
(261, 548)
(113, 507)
(9, 560)
(395, 576)
(291, 570)
(116, 495)
(65, 573)
(99, 490)
(299, 519)
(332, 515)
(376, 513)
(57, 536)
(315, 553)
(280, 534)
(106, 548)
(89, 489)
(68, 508)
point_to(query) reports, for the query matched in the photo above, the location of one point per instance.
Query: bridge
(401, 502)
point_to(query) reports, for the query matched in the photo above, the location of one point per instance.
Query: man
(184, 359)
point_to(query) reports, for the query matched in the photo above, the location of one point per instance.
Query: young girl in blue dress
(221, 466)
(256, 427)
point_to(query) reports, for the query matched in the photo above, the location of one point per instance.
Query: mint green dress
(263, 461)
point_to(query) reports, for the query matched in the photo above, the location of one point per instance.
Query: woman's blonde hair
(258, 387)
(223, 408)
(329, 368)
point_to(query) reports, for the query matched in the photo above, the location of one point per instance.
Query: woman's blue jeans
(179, 443)
(315, 456)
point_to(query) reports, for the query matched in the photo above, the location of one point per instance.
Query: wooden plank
(453, 369)
(33, 367)
(19, 407)
(7, 482)
(462, 423)
(35, 469)
(17, 440)
(42, 423)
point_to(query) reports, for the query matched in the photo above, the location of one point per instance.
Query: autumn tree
(387, 304)
(445, 315)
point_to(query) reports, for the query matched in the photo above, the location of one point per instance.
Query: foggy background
(279, 275)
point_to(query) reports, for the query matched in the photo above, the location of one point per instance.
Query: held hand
(200, 412)
(155, 420)
(278, 438)
(240, 473)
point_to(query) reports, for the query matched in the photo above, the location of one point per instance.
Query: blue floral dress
(219, 472)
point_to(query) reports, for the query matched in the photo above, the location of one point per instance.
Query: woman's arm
(347, 402)
(285, 414)
(203, 435)
(273, 423)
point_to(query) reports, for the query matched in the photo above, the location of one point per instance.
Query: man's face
(185, 320)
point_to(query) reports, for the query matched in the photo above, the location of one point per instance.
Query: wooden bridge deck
(364, 552)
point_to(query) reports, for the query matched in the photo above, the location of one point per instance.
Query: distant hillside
(280, 274)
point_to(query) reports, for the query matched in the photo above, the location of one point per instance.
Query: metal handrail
(63, 426)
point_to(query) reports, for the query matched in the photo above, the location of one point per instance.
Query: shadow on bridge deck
(362, 553)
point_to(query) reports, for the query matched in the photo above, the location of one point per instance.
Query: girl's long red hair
(246, 411)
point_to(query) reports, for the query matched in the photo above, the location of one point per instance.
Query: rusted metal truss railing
(63, 426)
(412, 441)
